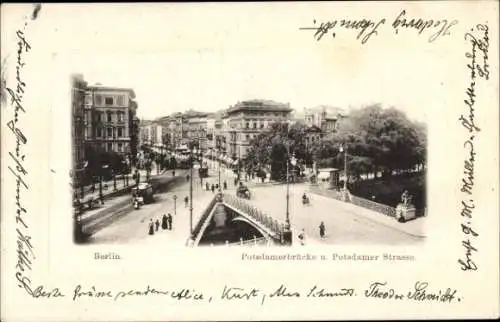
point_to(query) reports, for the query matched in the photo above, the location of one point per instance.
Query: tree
(380, 140)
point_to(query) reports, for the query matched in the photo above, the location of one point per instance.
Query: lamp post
(287, 233)
(342, 149)
(101, 197)
(218, 145)
(175, 205)
(191, 194)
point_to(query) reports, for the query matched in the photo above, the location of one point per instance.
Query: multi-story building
(78, 120)
(327, 118)
(111, 119)
(210, 134)
(197, 128)
(144, 133)
(247, 119)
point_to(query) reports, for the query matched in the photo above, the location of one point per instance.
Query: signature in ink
(367, 28)
(421, 25)
(478, 39)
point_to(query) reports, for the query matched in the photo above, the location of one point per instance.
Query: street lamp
(175, 205)
(287, 233)
(218, 146)
(342, 149)
(191, 195)
(101, 196)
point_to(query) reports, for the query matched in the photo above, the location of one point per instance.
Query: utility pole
(342, 149)
(191, 195)
(287, 233)
(218, 145)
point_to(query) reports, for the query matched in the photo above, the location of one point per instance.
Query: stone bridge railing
(251, 242)
(204, 217)
(358, 201)
(260, 217)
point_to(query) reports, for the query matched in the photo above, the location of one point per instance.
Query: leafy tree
(377, 140)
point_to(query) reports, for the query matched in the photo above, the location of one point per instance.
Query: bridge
(235, 221)
(229, 220)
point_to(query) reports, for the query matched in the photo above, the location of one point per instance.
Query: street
(131, 226)
(343, 224)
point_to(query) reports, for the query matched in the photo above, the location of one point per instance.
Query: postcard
(250, 161)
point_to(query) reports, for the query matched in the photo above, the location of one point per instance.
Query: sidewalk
(110, 205)
(108, 187)
(414, 227)
(179, 234)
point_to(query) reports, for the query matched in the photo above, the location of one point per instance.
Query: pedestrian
(235, 182)
(151, 227)
(217, 186)
(173, 173)
(169, 220)
(187, 178)
(302, 237)
(164, 222)
(157, 224)
(186, 200)
(207, 186)
(225, 185)
(322, 230)
(213, 188)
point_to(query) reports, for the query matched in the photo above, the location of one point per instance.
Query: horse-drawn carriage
(243, 192)
(143, 193)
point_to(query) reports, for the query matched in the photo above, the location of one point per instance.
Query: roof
(260, 105)
(313, 128)
(110, 88)
(143, 185)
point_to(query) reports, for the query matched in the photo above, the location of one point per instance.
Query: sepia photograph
(252, 172)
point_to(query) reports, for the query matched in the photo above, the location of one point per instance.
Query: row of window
(255, 124)
(118, 132)
(269, 114)
(100, 116)
(109, 100)
(119, 147)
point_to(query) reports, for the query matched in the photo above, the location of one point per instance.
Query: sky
(187, 56)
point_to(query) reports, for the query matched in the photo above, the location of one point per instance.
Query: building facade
(327, 118)
(247, 119)
(144, 133)
(78, 120)
(111, 122)
(196, 128)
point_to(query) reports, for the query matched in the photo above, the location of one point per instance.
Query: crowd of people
(166, 224)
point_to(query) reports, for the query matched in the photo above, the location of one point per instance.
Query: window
(121, 100)
(99, 132)
(120, 116)
(98, 99)
(255, 125)
(247, 137)
(110, 147)
(120, 147)
(109, 100)
(110, 132)
(247, 125)
(88, 99)
(109, 116)
(261, 125)
(120, 132)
